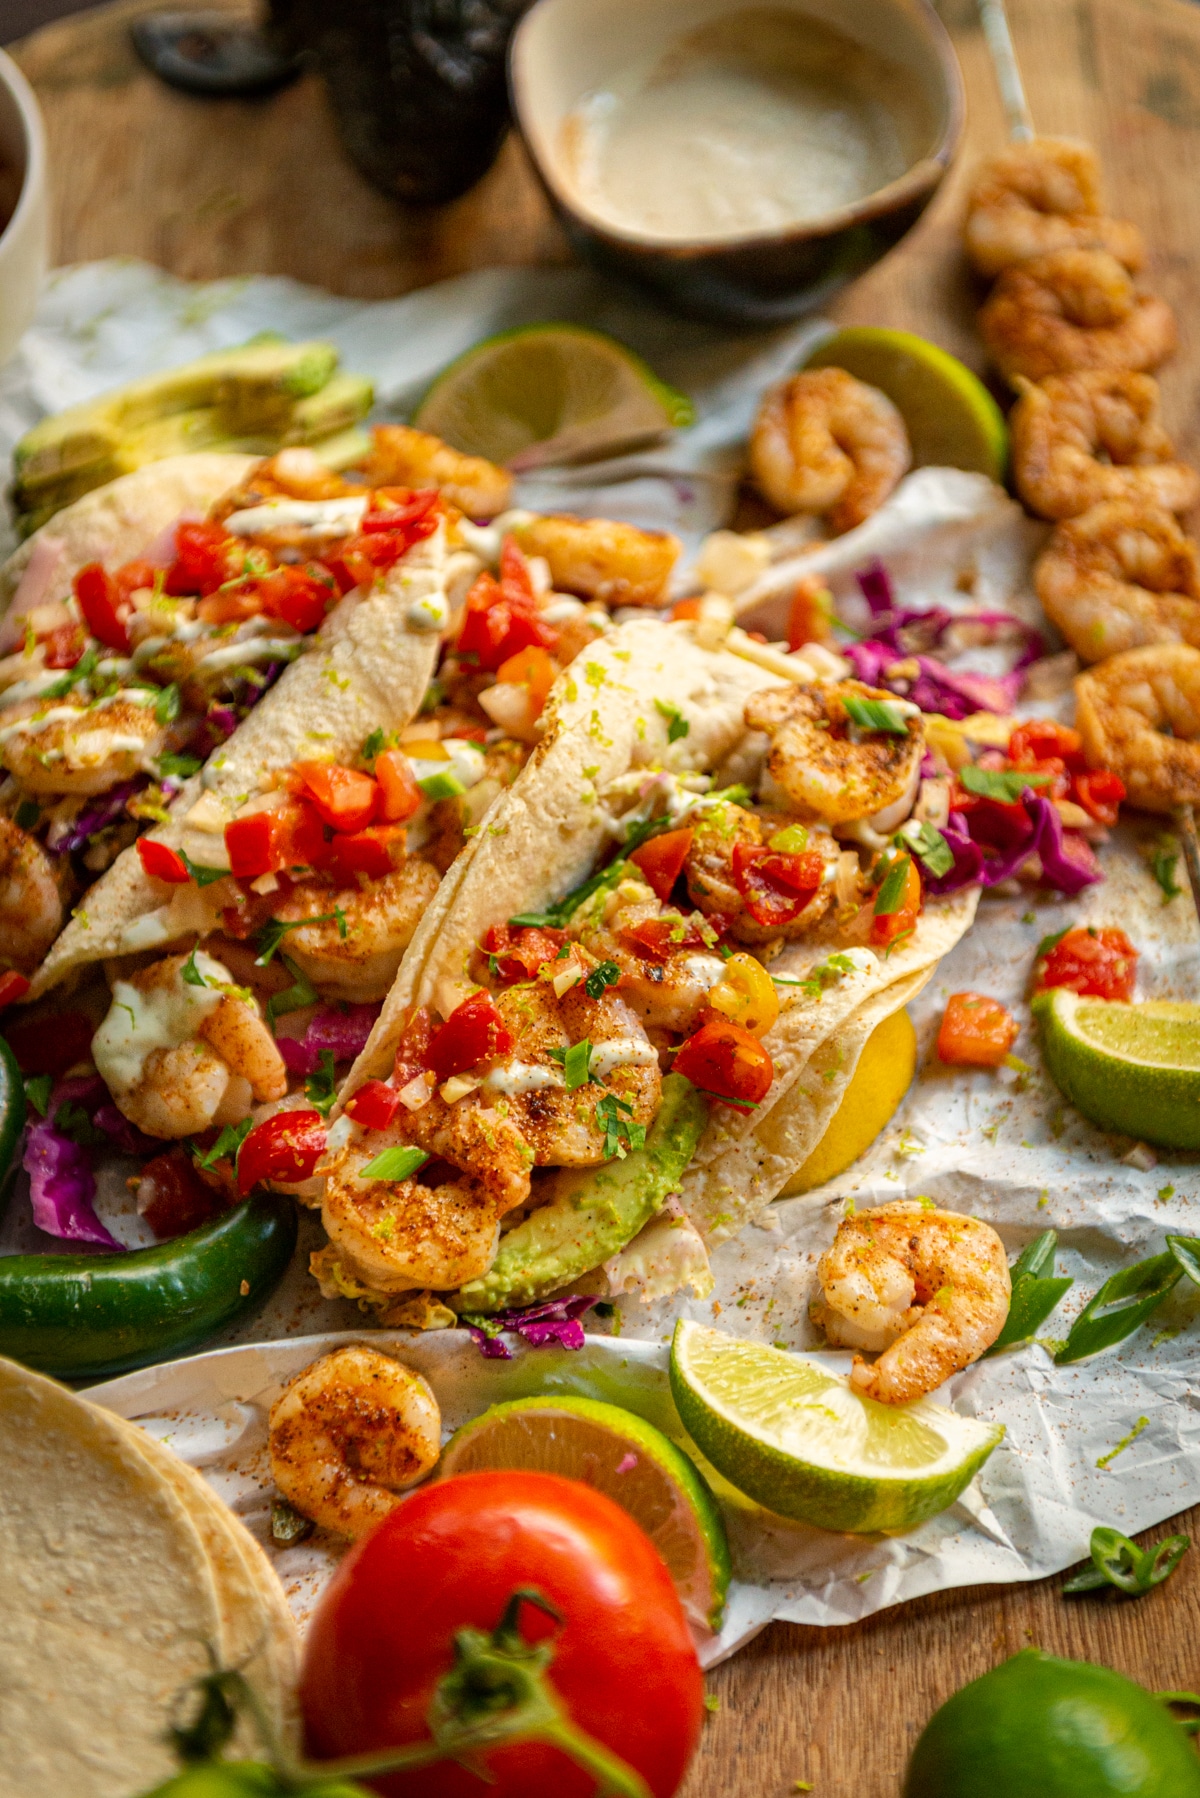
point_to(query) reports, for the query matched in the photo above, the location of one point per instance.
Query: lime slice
(802, 1442)
(952, 419)
(549, 393)
(1132, 1068)
(630, 1462)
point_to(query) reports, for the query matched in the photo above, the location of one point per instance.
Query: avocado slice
(344, 399)
(593, 1211)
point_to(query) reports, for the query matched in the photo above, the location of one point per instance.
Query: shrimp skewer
(1038, 196)
(825, 442)
(1073, 309)
(1139, 714)
(926, 1290)
(1119, 577)
(1083, 438)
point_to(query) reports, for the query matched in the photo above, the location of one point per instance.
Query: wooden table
(213, 189)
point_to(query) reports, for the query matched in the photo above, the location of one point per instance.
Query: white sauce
(622, 1052)
(751, 123)
(517, 1077)
(138, 1023)
(705, 970)
(318, 517)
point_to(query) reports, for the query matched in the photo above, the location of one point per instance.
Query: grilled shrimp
(1036, 197)
(1121, 576)
(1073, 309)
(1079, 439)
(930, 1289)
(179, 1053)
(350, 1434)
(714, 889)
(826, 768)
(825, 442)
(665, 992)
(402, 457)
(355, 955)
(1139, 714)
(597, 558)
(60, 746)
(31, 904)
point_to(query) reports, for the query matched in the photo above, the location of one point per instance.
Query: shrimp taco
(650, 975)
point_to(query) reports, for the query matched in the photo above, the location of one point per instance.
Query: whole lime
(1040, 1727)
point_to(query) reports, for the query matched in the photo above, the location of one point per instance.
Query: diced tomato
(975, 1032)
(661, 860)
(412, 1051)
(394, 521)
(374, 1105)
(205, 557)
(134, 577)
(727, 1061)
(297, 596)
(13, 986)
(399, 794)
(1100, 794)
(501, 617)
(373, 852)
(63, 646)
(1100, 964)
(775, 883)
(657, 938)
(686, 609)
(474, 1032)
(515, 575)
(51, 1045)
(172, 1197)
(253, 845)
(104, 612)
(534, 668)
(231, 604)
(1041, 739)
(809, 613)
(887, 926)
(345, 799)
(286, 1147)
(521, 953)
(162, 862)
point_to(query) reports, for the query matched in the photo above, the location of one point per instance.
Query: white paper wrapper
(1008, 1150)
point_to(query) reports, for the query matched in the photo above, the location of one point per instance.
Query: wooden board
(212, 189)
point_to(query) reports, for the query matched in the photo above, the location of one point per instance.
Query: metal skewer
(994, 20)
(1185, 824)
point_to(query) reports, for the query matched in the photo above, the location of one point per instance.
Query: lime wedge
(549, 393)
(802, 1442)
(630, 1462)
(952, 419)
(1132, 1068)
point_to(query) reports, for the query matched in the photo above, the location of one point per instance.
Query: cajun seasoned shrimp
(1040, 196)
(60, 746)
(825, 442)
(1139, 714)
(930, 1289)
(350, 1434)
(181, 1048)
(1083, 438)
(402, 457)
(357, 936)
(1073, 309)
(714, 888)
(666, 990)
(31, 904)
(597, 558)
(1120, 576)
(825, 766)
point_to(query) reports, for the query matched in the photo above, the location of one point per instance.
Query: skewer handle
(994, 20)
(1185, 822)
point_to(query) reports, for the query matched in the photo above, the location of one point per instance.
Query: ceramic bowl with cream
(23, 206)
(744, 161)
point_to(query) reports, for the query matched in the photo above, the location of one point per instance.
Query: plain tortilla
(109, 1600)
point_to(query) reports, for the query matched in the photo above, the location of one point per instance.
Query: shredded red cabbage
(555, 1321)
(345, 1032)
(875, 585)
(1066, 857)
(124, 1135)
(108, 807)
(62, 1187)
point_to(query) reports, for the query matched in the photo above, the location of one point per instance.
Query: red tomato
(50, 1045)
(345, 799)
(501, 617)
(473, 1032)
(809, 613)
(172, 1197)
(1039, 739)
(13, 986)
(374, 1105)
(534, 668)
(451, 1557)
(104, 612)
(523, 952)
(775, 883)
(723, 1059)
(1101, 964)
(1057, 783)
(131, 577)
(253, 845)
(373, 852)
(887, 926)
(63, 646)
(399, 794)
(161, 862)
(976, 1032)
(395, 520)
(661, 860)
(285, 1147)
(657, 938)
(298, 596)
(1100, 794)
(231, 605)
(205, 557)
(686, 609)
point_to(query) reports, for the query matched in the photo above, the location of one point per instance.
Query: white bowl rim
(34, 178)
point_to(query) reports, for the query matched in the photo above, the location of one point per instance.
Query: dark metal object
(211, 54)
(418, 86)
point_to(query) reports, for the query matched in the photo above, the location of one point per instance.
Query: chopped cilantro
(37, 1092)
(606, 975)
(268, 939)
(1164, 861)
(1050, 942)
(320, 1089)
(27, 814)
(1006, 786)
(613, 1115)
(167, 705)
(181, 767)
(84, 667)
(202, 876)
(228, 1145)
(677, 725)
(190, 973)
(301, 992)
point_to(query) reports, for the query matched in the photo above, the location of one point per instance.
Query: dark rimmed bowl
(565, 49)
